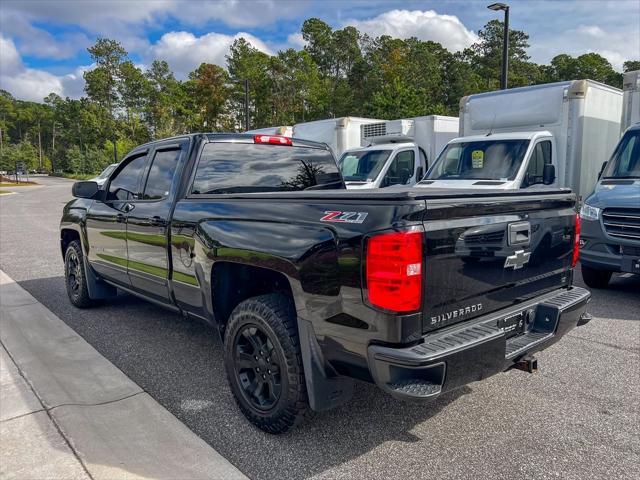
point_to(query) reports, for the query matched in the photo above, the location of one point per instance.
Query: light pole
(505, 44)
(246, 104)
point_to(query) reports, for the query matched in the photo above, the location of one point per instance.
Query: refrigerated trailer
(630, 100)
(554, 134)
(339, 133)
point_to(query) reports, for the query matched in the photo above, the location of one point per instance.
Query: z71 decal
(344, 217)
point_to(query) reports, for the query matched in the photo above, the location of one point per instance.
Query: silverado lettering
(456, 313)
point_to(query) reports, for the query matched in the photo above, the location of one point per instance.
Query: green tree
(101, 83)
(631, 66)
(247, 62)
(210, 88)
(486, 55)
(590, 65)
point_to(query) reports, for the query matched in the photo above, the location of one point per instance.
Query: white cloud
(39, 43)
(184, 52)
(425, 25)
(32, 84)
(616, 45)
(295, 40)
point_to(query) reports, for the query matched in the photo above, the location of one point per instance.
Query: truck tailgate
(487, 254)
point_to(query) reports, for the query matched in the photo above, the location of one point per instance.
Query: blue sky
(43, 42)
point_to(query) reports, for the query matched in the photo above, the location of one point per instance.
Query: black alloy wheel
(257, 367)
(74, 275)
(75, 279)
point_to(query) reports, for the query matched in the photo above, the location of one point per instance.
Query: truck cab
(504, 161)
(380, 166)
(396, 152)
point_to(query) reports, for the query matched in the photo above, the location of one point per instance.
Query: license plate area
(512, 325)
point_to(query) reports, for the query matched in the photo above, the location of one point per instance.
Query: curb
(113, 427)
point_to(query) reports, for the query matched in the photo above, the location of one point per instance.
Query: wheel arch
(233, 282)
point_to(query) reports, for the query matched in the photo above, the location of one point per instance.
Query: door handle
(157, 221)
(120, 218)
(519, 233)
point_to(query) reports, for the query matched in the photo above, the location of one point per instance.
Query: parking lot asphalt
(578, 418)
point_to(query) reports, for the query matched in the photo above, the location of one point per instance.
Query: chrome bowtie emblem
(517, 260)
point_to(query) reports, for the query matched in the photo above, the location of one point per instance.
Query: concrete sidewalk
(67, 412)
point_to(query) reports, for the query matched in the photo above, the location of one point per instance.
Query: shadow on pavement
(178, 362)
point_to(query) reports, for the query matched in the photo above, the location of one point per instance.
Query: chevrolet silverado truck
(311, 287)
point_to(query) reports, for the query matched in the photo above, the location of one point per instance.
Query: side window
(423, 159)
(424, 164)
(625, 156)
(541, 156)
(124, 186)
(401, 169)
(161, 174)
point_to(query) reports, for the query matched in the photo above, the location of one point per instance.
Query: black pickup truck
(310, 286)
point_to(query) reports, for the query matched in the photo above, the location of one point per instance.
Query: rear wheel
(264, 363)
(595, 278)
(75, 278)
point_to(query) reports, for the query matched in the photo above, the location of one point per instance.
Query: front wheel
(264, 364)
(596, 278)
(75, 278)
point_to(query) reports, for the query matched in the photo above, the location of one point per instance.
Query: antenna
(492, 123)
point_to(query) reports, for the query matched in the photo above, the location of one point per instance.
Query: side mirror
(84, 189)
(604, 165)
(420, 174)
(548, 174)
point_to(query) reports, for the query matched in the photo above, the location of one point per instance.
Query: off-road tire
(75, 278)
(595, 278)
(275, 316)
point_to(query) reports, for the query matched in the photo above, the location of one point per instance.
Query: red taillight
(576, 243)
(272, 139)
(394, 271)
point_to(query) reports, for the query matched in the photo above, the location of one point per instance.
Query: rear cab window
(253, 168)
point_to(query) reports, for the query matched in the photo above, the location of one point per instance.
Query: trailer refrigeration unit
(396, 152)
(630, 100)
(339, 133)
(555, 134)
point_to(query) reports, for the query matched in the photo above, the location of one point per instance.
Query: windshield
(480, 160)
(363, 165)
(625, 161)
(107, 171)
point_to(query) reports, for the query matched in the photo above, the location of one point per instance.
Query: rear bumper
(457, 356)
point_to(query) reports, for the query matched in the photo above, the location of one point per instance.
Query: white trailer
(396, 152)
(554, 134)
(284, 130)
(630, 100)
(339, 133)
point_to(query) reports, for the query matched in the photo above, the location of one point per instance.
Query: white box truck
(630, 100)
(554, 134)
(396, 152)
(339, 133)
